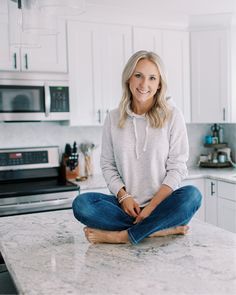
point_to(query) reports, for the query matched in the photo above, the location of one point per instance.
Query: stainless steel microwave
(36, 102)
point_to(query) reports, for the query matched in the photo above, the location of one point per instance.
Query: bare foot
(96, 236)
(179, 230)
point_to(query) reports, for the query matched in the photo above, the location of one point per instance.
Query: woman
(143, 160)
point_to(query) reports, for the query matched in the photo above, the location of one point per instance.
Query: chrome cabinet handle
(223, 114)
(47, 99)
(99, 116)
(212, 188)
(26, 61)
(15, 61)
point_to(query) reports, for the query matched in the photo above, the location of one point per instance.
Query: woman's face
(144, 81)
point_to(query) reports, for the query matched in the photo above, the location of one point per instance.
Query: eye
(137, 75)
(153, 78)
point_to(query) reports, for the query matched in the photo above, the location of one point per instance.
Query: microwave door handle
(47, 99)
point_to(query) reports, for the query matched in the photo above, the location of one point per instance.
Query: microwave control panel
(59, 98)
(23, 158)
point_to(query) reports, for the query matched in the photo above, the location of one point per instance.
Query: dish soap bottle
(221, 134)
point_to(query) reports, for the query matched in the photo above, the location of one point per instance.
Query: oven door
(33, 196)
(36, 203)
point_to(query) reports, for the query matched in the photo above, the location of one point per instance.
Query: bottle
(215, 134)
(221, 134)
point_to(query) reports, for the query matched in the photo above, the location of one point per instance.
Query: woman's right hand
(131, 207)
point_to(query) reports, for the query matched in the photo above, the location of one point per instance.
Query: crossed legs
(106, 222)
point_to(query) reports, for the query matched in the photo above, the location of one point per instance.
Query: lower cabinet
(199, 183)
(227, 206)
(220, 202)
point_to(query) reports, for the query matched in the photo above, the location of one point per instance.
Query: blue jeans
(101, 211)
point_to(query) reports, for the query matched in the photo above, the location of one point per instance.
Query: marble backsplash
(43, 134)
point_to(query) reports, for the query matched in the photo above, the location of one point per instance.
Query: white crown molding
(105, 14)
(212, 21)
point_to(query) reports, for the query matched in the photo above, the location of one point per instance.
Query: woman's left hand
(144, 213)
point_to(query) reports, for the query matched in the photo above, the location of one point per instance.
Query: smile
(142, 91)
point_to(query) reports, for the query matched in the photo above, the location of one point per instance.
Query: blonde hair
(159, 112)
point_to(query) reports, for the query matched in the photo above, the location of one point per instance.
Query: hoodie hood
(134, 118)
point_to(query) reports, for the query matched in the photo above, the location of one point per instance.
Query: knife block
(69, 174)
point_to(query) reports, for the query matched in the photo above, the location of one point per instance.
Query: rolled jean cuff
(131, 238)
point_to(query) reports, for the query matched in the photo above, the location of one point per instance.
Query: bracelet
(125, 196)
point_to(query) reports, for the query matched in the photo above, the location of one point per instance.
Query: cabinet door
(199, 183)
(209, 76)
(176, 58)
(147, 39)
(173, 48)
(48, 54)
(227, 205)
(211, 201)
(97, 55)
(9, 54)
(227, 214)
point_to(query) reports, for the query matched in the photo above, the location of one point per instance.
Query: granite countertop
(47, 253)
(226, 174)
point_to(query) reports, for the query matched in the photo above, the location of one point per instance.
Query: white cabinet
(30, 52)
(8, 54)
(97, 55)
(173, 48)
(227, 206)
(49, 56)
(211, 201)
(221, 204)
(199, 183)
(212, 74)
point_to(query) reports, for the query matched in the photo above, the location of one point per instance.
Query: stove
(31, 181)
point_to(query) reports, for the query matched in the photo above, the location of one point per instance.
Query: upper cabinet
(97, 55)
(213, 70)
(173, 48)
(30, 51)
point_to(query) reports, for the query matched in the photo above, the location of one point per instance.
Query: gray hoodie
(141, 158)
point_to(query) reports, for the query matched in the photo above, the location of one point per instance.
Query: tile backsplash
(43, 134)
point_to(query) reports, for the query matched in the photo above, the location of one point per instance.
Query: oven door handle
(47, 99)
(28, 206)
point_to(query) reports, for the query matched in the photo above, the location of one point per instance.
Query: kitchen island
(47, 253)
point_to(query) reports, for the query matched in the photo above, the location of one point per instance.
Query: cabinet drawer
(227, 190)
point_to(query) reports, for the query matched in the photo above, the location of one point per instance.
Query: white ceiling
(179, 7)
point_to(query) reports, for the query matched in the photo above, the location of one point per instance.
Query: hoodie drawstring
(146, 137)
(136, 137)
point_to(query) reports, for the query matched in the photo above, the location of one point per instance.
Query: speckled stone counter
(46, 253)
(226, 174)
